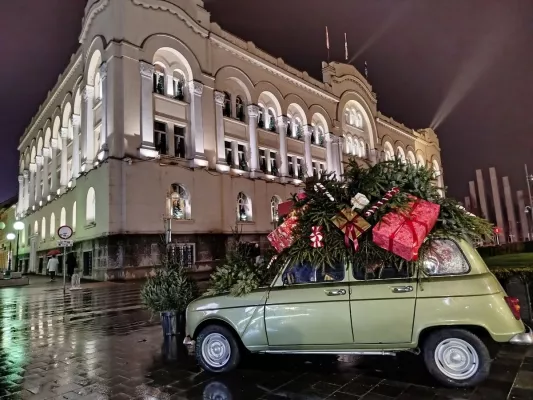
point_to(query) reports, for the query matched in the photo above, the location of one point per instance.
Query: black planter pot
(173, 323)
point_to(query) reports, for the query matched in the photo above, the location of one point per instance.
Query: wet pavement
(98, 344)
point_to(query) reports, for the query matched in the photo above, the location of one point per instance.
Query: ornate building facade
(163, 116)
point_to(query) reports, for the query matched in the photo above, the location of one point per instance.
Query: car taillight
(514, 305)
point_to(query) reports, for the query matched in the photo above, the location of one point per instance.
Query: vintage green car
(450, 311)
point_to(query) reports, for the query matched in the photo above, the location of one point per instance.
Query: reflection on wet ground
(98, 352)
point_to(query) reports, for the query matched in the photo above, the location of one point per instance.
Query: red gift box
(282, 237)
(285, 208)
(403, 232)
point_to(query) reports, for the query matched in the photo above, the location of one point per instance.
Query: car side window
(444, 257)
(305, 272)
(380, 270)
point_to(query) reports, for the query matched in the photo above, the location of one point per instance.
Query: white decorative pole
(253, 113)
(76, 125)
(308, 135)
(63, 175)
(283, 122)
(88, 129)
(196, 89)
(219, 120)
(103, 151)
(147, 110)
(46, 185)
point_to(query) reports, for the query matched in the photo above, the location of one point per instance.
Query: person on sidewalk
(72, 264)
(53, 263)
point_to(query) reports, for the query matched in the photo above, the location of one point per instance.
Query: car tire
(217, 349)
(456, 357)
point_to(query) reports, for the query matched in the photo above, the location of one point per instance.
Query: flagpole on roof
(327, 41)
(345, 47)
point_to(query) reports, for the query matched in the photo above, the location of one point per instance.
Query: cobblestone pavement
(97, 352)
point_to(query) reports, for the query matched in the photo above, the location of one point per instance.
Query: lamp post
(10, 236)
(18, 226)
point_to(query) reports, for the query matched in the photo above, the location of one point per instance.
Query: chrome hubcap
(216, 350)
(456, 359)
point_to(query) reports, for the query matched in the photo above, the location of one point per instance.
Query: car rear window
(444, 257)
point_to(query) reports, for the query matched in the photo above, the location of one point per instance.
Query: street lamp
(10, 236)
(18, 226)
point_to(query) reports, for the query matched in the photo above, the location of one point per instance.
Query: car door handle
(402, 289)
(335, 292)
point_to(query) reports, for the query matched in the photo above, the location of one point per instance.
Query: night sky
(464, 67)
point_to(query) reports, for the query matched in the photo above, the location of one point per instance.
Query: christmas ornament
(351, 224)
(282, 236)
(402, 233)
(359, 201)
(317, 238)
(385, 199)
(321, 188)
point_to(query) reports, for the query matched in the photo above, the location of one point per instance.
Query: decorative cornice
(354, 79)
(282, 121)
(39, 160)
(196, 88)
(48, 103)
(87, 93)
(64, 133)
(21, 178)
(178, 12)
(26, 174)
(33, 167)
(242, 54)
(253, 111)
(309, 130)
(400, 131)
(219, 98)
(47, 153)
(96, 9)
(53, 143)
(76, 120)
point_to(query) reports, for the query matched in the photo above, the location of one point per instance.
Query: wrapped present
(285, 208)
(282, 236)
(403, 232)
(352, 224)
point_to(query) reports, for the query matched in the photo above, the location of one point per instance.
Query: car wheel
(456, 357)
(217, 349)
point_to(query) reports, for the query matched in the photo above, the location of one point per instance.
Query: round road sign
(64, 232)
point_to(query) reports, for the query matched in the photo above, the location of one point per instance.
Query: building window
(229, 153)
(63, 217)
(244, 208)
(274, 203)
(53, 225)
(74, 219)
(263, 161)
(179, 141)
(179, 83)
(273, 164)
(271, 121)
(183, 254)
(43, 228)
(90, 211)
(243, 164)
(261, 118)
(159, 80)
(291, 166)
(160, 137)
(300, 171)
(36, 228)
(227, 105)
(359, 120)
(239, 108)
(178, 202)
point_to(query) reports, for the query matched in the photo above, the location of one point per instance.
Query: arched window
(420, 161)
(400, 153)
(178, 202)
(97, 87)
(348, 142)
(244, 208)
(179, 84)
(411, 158)
(43, 228)
(271, 123)
(53, 225)
(227, 104)
(35, 228)
(90, 210)
(347, 117)
(388, 152)
(356, 151)
(274, 203)
(261, 118)
(359, 120)
(63, 217)
(298, 130)
(159, 79)
(239, 108)
(74, 217)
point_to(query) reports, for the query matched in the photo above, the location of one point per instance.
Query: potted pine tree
(168, 293)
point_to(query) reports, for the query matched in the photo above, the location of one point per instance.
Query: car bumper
(525, 338)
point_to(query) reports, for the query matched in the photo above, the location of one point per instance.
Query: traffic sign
(65, 243)
(64, 232)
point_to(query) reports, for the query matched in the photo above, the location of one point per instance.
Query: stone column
(282, 123)
(196, 89)
(76, 121)
(253, 114)
(329, 153)
(87, 140)
(38, 177)
(170, 86)
(509, 206)
(341, 140)
(219, 121)
(104, 131)
(482, 196)
(235, 154)
(524, 218)
(295, 169)
(20, 203)
(63, 175)
(53, 183)
(26, 175)
(497, 205)
(308, 135)
(33, 170)
(147, 111)
(46, 172)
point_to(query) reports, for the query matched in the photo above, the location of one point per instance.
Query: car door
(382, 304)
(309, 307)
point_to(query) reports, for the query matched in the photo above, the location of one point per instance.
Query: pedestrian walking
(53, 263)
(72, 264)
